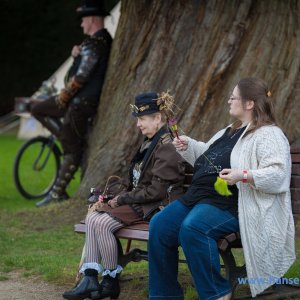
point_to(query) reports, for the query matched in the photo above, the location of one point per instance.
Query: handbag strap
(108, 182)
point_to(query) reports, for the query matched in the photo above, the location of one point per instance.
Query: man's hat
(92, 8)
(145, 104)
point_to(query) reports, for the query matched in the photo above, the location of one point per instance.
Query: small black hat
(92, 8)
(145, 104)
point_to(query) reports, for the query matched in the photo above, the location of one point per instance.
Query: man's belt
(90, 101)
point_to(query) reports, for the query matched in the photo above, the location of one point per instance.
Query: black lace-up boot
(88, 287)
(109, 287)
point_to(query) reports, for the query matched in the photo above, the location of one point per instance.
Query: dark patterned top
(206, 171)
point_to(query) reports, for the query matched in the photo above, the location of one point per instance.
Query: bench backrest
(295, 182)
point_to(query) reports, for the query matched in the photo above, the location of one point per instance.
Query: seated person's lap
(203, 218)
(210, 220)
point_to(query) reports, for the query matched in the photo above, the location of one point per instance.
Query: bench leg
(232, 271)
(134, 255)
(128, 246)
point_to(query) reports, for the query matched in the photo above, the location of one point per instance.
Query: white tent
(29, 127)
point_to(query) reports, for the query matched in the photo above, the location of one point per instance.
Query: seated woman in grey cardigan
(253, 156)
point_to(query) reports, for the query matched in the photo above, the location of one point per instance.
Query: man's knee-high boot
(52, 124)
(67, 170)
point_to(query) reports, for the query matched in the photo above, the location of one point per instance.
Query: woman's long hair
(257, 90)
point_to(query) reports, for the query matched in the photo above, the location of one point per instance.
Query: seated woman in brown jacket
(156, 171)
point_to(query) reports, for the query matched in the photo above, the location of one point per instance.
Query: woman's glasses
(232, 98)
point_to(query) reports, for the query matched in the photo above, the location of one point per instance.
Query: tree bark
(198, 50)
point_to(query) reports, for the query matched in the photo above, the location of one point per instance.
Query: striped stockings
(101, 244)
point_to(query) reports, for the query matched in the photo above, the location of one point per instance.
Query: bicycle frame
(51, 146)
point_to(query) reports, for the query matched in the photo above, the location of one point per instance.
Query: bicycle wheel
(36, 167)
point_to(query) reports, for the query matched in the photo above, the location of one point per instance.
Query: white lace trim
(93, 265)
(114, 272)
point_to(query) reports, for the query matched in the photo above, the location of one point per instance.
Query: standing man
(78, 101)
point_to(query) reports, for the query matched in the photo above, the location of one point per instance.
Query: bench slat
(140, 232)
(79, 228)
(295, 181)
(296, 204)
(295, 194)
(295, 169)
(295, 150)
(134, 232)
(139, 226)
(295, 158)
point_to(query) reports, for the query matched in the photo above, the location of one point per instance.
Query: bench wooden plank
(295, 158)
(139, 226)
(295, 169)
(295, 181)
(295, 194)
(138, 232)
(295, 150)
(125, 233)
(79, 228)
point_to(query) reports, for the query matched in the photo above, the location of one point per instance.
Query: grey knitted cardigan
(265, 214)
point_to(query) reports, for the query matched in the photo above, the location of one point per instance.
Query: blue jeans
(197, 230)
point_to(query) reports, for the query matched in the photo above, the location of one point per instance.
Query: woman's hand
(181, 144)
(113, 203)
(232, 176)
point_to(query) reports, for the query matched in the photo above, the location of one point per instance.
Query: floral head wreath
(166, 104)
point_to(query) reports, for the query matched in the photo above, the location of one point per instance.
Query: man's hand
(60, 103)
(75, 51)
(113, 203)
(67, 93)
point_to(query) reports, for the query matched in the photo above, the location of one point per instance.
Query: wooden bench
(231, 241)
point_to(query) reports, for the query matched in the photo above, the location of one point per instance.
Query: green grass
(10, 199)
(42, 241)
(37, 241)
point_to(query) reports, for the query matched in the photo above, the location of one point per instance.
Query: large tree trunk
(198, 50)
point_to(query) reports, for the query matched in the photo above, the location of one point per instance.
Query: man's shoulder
(102, 36)
(95, 41)
(100, 39)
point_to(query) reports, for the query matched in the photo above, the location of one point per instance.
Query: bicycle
(36, 167)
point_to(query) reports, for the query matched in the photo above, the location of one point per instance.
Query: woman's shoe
(88, 287)
(109, 287)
